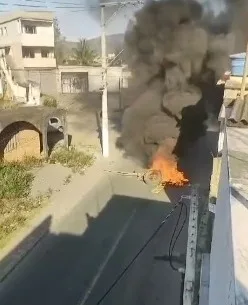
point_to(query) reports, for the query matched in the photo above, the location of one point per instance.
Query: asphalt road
(77, 267)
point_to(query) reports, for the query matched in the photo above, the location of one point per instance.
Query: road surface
(77, 267)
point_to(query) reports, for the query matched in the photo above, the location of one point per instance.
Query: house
(27, 40)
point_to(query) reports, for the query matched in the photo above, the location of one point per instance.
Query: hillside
(114, 42)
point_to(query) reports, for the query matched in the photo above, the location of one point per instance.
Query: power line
(36, 1)
(79, 7)
(120, 276)
(56, 7)
(55, 2)
(173, 244)
(60, 2)
(28, 5)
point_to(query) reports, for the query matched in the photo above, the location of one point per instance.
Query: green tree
(83, 54)
(59, 43)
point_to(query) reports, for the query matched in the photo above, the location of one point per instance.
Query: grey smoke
(177, 50)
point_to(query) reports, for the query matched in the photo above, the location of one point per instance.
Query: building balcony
(37, 40)
(39, 62)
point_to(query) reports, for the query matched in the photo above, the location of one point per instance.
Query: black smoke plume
(177, 52)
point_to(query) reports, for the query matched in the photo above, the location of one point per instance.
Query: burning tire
(153, 177)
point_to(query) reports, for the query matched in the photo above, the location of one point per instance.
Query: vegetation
(8, 104)
(15, 181)
(83, 55)
(72, 158)
(30, 162)
(59, 41)
(50, 101)
(16, 204)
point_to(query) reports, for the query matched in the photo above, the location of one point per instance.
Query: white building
(27, 40)
(28, 37)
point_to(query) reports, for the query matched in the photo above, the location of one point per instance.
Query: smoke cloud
(177, 50)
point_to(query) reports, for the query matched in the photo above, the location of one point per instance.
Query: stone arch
(20, 139)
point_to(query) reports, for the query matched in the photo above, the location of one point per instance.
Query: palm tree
(83, 55)
(59, 43)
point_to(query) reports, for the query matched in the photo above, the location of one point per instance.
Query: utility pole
(105, 131)
(189, 278)
(105, 127)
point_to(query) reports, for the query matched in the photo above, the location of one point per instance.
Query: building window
(29, 29)
(45, 53)
(28, 53)
(3, 31)
(7, 50)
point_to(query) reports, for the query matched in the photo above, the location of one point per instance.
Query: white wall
(39, 62)
(15, 38)
(46, 79)
(13, 33)
(44, 34)
(221, 288)
(95, 76)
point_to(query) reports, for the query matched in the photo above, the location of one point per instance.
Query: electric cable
(123, 272)
(172, 237)
(173, 244)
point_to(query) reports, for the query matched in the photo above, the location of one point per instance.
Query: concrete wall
(46, 79)
(95, 76)
(13, 34)
(50, 79)
(14, 31)
(15, 38)
(221, 289)
(44, 35)
(39, 62)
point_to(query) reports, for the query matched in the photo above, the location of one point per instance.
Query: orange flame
(168, 168)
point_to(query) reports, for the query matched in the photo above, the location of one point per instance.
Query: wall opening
(19, 140)
(55, 133)
(72, 82)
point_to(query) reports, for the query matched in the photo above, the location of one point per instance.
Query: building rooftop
(236, 109)
(29, 15)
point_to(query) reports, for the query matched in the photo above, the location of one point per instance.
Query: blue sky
(77, 22)
(78, 19)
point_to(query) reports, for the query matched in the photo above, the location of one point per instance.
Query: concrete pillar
(65, 126)
(44, 140)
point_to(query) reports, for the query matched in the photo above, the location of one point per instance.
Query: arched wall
(19, 140)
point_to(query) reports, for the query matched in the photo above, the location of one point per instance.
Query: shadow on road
(84, 261)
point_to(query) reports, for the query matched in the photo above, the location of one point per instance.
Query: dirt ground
(84, 120)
